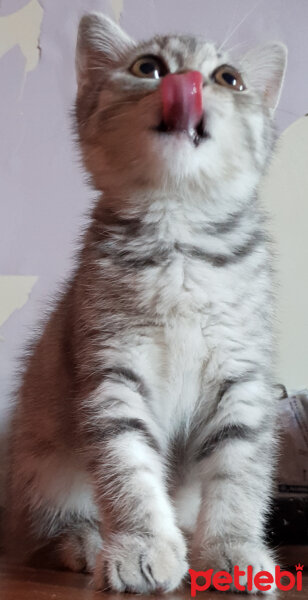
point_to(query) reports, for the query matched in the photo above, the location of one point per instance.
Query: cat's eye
(229, 77)
(149, 67)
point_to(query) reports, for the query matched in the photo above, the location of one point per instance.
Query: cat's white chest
(187, 358)
(179, 296)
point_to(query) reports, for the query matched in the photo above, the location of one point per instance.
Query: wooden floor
(32, 584)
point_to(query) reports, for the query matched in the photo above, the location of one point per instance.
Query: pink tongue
(182, 100)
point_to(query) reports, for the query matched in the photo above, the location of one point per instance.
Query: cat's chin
(175, 157)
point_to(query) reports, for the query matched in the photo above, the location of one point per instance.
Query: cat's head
(173, 110)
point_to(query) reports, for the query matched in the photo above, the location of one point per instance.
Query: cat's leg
(78, 547)
(74, 545)
(236, 463)
(51, 518)
(144, 549)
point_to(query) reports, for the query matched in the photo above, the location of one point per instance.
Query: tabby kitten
(142, 441)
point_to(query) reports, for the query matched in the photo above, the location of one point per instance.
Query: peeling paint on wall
(14, 293)
(22, 28)
(117, 7)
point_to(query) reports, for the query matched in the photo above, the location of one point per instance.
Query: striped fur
(143, 437)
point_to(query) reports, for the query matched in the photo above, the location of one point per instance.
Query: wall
(285, 193)
(43, 190)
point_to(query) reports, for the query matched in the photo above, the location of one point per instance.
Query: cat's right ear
(100, 42)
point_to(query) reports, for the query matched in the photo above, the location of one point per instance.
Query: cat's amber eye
(149, 67)
(229, 77)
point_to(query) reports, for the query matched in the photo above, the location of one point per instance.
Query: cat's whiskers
(236, 46)
(241, 22)
(278, 109)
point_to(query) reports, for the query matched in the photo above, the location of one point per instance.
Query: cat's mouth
(196, 134)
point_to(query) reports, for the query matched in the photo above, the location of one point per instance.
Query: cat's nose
(182, 100)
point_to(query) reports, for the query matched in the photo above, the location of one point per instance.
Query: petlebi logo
(262, 581)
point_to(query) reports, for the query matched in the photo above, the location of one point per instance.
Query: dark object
(289, 521)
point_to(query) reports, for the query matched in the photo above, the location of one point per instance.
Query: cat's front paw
(141, 564)
(224, 556)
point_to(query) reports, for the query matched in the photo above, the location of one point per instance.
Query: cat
(143, 439)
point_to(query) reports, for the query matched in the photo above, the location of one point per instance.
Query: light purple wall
(43, 192)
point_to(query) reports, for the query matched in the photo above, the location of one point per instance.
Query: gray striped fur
(144, 427)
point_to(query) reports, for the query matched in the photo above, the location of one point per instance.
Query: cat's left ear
(100, 43)
(265, 67)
